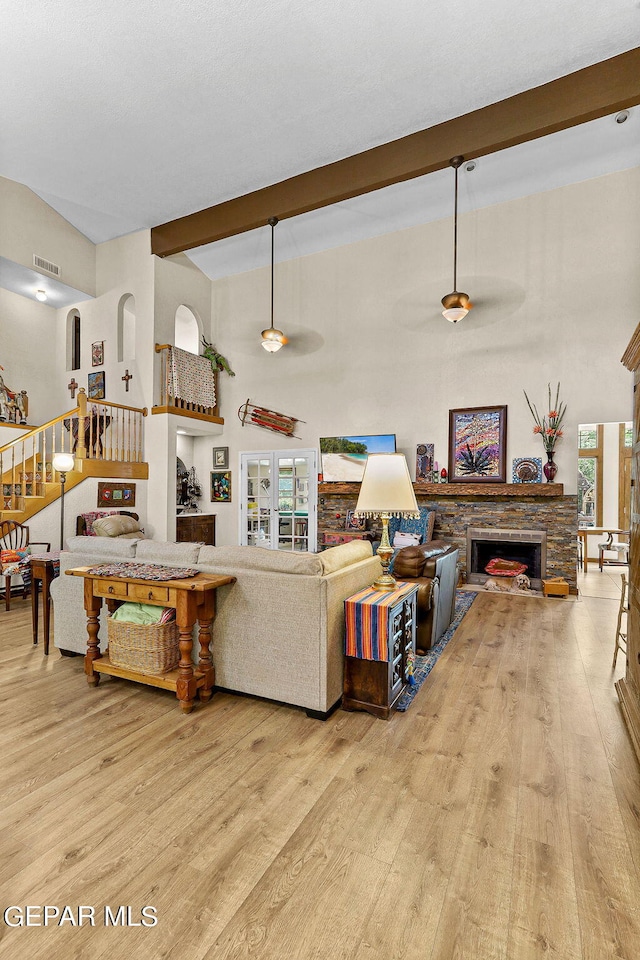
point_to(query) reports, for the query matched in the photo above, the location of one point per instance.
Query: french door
(279, 496)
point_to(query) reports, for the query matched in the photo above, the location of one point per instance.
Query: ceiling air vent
(42, 264)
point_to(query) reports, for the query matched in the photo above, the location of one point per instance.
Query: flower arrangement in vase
(550, 429)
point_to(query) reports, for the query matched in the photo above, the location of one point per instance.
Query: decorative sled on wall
(269, 419)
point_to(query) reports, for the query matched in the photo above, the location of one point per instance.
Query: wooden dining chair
(15, 536)
(621, 638)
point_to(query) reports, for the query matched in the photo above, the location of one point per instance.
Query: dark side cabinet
(196, 528)
(376, 685)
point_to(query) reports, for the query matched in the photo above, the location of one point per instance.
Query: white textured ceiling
(123, 115)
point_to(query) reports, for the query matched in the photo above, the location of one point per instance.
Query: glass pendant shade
(456, 306)
(272, 339)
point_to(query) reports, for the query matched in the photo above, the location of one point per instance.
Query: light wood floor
(498, 819)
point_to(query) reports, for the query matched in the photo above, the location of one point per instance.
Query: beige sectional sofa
(279, 629)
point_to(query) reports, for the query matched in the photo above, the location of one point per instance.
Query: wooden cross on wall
(73, 386)
(127, 376)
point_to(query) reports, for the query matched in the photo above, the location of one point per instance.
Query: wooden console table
(192, 598)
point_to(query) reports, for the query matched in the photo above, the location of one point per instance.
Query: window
(591, 442)
(187, 330)
(73, 340)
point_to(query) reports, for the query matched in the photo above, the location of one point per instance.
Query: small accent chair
(621, 638)
(14, 536)
(621, 549)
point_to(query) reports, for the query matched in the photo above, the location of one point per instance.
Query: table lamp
(62, 463)
(386, 491)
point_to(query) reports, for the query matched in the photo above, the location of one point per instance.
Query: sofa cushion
(261, 558)
(161, 551)
(102, 546)
(335, 558)
(117, 525)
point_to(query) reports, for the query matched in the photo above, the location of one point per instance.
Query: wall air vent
(43, 264)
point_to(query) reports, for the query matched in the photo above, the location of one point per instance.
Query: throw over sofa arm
(434, 567)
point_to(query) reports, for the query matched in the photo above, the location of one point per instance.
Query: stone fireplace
(528, 547)
(520, 508)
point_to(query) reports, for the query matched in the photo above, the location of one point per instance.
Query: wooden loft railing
(177, 405)
(107, 433)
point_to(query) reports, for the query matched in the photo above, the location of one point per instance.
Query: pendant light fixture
(272, 339)
(456, 305)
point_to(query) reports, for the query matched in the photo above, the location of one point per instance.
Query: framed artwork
(526, 470)
(220, 486)
(355, 523)
(97, 353)
(221, 458)
(95, 386)
(424, 462)
(478, 445)
(116, 494)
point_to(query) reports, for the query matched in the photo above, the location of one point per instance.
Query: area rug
(424, 665)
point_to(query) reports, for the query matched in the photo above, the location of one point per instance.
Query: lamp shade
(63, 462)
(386, 487)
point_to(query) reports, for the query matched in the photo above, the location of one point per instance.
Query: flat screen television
(343, 458)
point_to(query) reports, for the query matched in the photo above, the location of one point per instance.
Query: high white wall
(27, 333)
(555, 282)
(30, 226)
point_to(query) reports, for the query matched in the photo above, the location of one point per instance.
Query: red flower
(537, 428)
(553, 414)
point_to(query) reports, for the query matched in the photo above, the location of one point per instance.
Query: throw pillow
(12, 560)
(116, 525)
(401, 539)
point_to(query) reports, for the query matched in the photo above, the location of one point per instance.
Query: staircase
(105, 440)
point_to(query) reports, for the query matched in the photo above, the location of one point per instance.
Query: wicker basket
(146, 648)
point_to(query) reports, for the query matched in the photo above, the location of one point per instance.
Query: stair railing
(101, 431)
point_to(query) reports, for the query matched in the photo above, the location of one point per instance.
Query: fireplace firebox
(523, 546)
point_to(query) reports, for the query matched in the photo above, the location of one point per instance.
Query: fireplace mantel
(461, 491)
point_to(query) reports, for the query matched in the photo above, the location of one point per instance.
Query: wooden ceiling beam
(595, 91)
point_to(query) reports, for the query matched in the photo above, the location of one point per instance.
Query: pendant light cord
(272, 221)
(455, 237)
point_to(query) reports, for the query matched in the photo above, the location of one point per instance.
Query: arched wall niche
(187, 329)
(127, 327)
